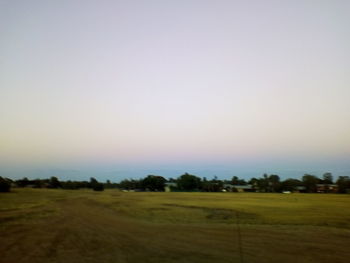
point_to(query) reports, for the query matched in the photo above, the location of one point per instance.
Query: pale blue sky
(125, 88)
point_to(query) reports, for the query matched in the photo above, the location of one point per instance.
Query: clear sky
(119, 89)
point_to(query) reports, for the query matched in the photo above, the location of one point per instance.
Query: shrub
(98, 187)
(5, 185)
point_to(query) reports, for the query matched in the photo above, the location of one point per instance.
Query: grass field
(41, 225)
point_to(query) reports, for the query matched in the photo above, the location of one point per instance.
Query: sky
(121, 89)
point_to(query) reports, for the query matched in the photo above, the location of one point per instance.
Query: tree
(153, 183)
(54, 182)
(205, 186)
(236, 181)
(263, 184)
(124, 184)
(98, 187)
(5, 185)
(254, 182)
(70, 185)
(290, 184)
(23, 182)
(343, 183)
(214, 185)
(268, 183)
(108, 184)
(188, 182)
(310, 182)
(328, 178)
(130, 184)
(38, 183)
(95, 185)
(274, 183)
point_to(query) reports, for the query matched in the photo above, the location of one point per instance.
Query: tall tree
(188, 182)
(153, 183)
(310, 182)
(263, 183)
(54, 182)
(5, 185)
(290, 184)
(95, 185)
(236, 181)
(343, 183)
(22, 182)
(327, 178)
(274, 183)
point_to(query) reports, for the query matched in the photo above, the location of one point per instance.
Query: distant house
(299, 189)
(327, 188)
(238, 188)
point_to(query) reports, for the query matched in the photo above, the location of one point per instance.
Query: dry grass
(85, 226)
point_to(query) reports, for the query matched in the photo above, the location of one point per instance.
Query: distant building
(327, 188)
(238, 188)
(300, 189)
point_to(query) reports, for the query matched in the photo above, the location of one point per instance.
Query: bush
(98, 187)
(5, 185)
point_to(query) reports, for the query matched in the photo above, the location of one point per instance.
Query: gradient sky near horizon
(116, 89)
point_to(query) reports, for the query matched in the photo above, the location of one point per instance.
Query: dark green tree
(263, 184)
(343, 183)
(5, 185)
(70, 185)
(214, 185)
(217, 184)
(153, 183)
(22, 182)
(290, 184)
(274, 183)
(54, 182)
(254, 182)
(328, 178)
(129, 184)
(188, 182)
(310, 182)
(108, 184)
(205, 185)
(95, 185)
(236, 181)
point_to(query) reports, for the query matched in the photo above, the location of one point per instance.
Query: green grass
(41, 225)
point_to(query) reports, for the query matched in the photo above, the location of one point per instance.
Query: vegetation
(192, 183)
(95, 185)
(50, 225)
(188, 182)
(153, 183)
(5, 184)
(343, 183)
(310, 182)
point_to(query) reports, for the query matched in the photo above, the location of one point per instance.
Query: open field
(41, 225)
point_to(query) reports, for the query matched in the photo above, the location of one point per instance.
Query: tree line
(52, 182)
(188, 182)
(267, 183)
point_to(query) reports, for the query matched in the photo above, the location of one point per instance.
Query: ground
(41, 225)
